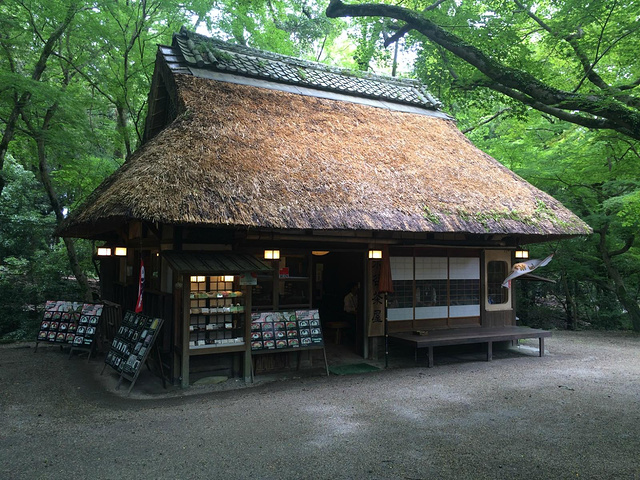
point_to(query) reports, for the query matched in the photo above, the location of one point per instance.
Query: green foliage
(24, 214)
(430, 216)
(292, 27)
(85, 100)
(34, 267)
(594, 174)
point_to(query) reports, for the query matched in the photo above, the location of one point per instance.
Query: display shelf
(213, 280)
(217, 310)
(210, 327)
(217, 315)
(209, 349)
(196, 295)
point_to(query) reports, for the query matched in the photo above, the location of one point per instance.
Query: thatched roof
(249, 157)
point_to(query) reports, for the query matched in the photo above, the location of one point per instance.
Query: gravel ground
(574, 413)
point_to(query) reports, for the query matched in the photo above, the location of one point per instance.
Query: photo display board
(72, 323)
(285, 330)
(132, 343)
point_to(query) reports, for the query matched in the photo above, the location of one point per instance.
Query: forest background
(549, 88)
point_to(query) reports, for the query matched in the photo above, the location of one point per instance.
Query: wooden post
(186, 305)
(247, 369)
(386, 333)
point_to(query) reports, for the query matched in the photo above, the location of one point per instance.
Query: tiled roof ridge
(217, 57)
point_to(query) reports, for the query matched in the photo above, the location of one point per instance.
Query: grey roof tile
(212, 54)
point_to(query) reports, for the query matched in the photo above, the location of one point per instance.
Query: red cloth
(140, 288)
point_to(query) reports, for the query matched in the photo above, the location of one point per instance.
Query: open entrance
(334, 275)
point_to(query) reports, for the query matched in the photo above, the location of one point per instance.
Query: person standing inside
(351, 305)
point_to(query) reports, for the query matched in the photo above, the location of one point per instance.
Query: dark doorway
(334, 275)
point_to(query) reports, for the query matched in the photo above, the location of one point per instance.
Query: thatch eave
(250, 158)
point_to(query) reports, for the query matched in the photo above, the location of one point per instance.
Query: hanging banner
(140, 288)
(375, 320)
(521, 268)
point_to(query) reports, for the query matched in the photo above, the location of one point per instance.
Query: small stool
(338, 327)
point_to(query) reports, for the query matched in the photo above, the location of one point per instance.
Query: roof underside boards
(214, 263)
(247, 157)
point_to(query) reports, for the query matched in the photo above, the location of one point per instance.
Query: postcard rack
(72, 324)
(131, 346)
(280, 332)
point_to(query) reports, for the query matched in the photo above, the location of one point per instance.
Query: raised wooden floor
(461, 336)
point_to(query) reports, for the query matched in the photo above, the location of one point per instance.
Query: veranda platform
(461, 336)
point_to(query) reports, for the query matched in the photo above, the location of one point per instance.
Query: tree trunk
(81, 278)
(121, 128)
(9, 132)
(45, 179)
(572, 308)
(627, 301)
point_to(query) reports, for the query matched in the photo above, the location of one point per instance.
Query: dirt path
(574, 413)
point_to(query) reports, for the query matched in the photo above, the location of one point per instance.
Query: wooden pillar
(186, 304)
(247, 362)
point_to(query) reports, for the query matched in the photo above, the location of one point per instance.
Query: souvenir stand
(215, 316)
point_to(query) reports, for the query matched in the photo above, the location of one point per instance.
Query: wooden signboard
(70, 323)
(131, 346)
(274, 332)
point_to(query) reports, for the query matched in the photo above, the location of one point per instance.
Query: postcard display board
(70, 323)
(273, 332)
(131, 346)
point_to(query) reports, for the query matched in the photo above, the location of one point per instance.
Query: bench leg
(541, 346)
(489, 351)
(430, 357)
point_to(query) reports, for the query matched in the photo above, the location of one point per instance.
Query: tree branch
(627, 245)
(589, 122)
(406, 28)
(573, 41)
(602, 111)
(484, 122)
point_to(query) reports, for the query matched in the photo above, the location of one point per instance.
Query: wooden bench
(461, 336)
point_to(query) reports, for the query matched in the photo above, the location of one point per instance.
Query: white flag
(525, 267)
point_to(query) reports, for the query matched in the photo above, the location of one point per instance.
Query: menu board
(132, 342)
(284, 330)
(73, 323)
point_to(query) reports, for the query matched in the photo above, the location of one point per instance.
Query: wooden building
(247, 151)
